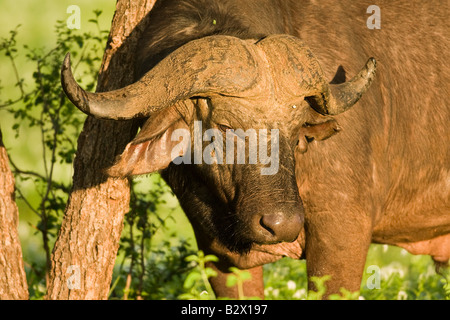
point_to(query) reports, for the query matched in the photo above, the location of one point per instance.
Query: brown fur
(384, 178)
(386, 175)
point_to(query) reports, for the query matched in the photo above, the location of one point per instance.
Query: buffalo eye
(224, 127)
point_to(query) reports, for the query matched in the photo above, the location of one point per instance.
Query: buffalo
(361, 159)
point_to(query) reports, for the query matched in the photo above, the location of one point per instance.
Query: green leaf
(245, 275)
(191, 258)
(232, 280)
(97, 12)
(211, 257)
(191, 279)
(210, 272)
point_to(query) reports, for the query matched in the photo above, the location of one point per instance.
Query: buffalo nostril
(282, 227)
(271, 222)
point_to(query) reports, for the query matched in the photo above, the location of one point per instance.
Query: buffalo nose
(282, 227)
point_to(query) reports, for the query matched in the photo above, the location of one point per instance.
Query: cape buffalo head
(222, 83)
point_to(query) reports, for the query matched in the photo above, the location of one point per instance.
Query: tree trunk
(13, 282)
(85, 251)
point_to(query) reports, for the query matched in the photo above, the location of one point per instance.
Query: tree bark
(85, 251)
(13, 282)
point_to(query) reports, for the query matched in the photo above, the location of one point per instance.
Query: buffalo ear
(319, 131)
(152, 149)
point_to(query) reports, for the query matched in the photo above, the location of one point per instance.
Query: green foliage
(165, 269)
(237, 278)
(149, 271)
(321, 288)
(42, 107)
(402, 277)
(197, 284)
(197, 280)
(285, 279)
(445, 281)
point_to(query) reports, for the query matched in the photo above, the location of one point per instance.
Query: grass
(402, 276)
(179, 273)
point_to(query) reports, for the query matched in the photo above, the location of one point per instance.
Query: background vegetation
(158, 258)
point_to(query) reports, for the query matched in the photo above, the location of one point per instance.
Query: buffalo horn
(301, 75)
(337, 98)
(215, 64)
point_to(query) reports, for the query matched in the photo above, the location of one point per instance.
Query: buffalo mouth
(259, 254)
(241, 236)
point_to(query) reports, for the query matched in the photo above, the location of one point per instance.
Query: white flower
(276, 292)
(291, 285)
(402, 295)
(391, 269)
(299, 294)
